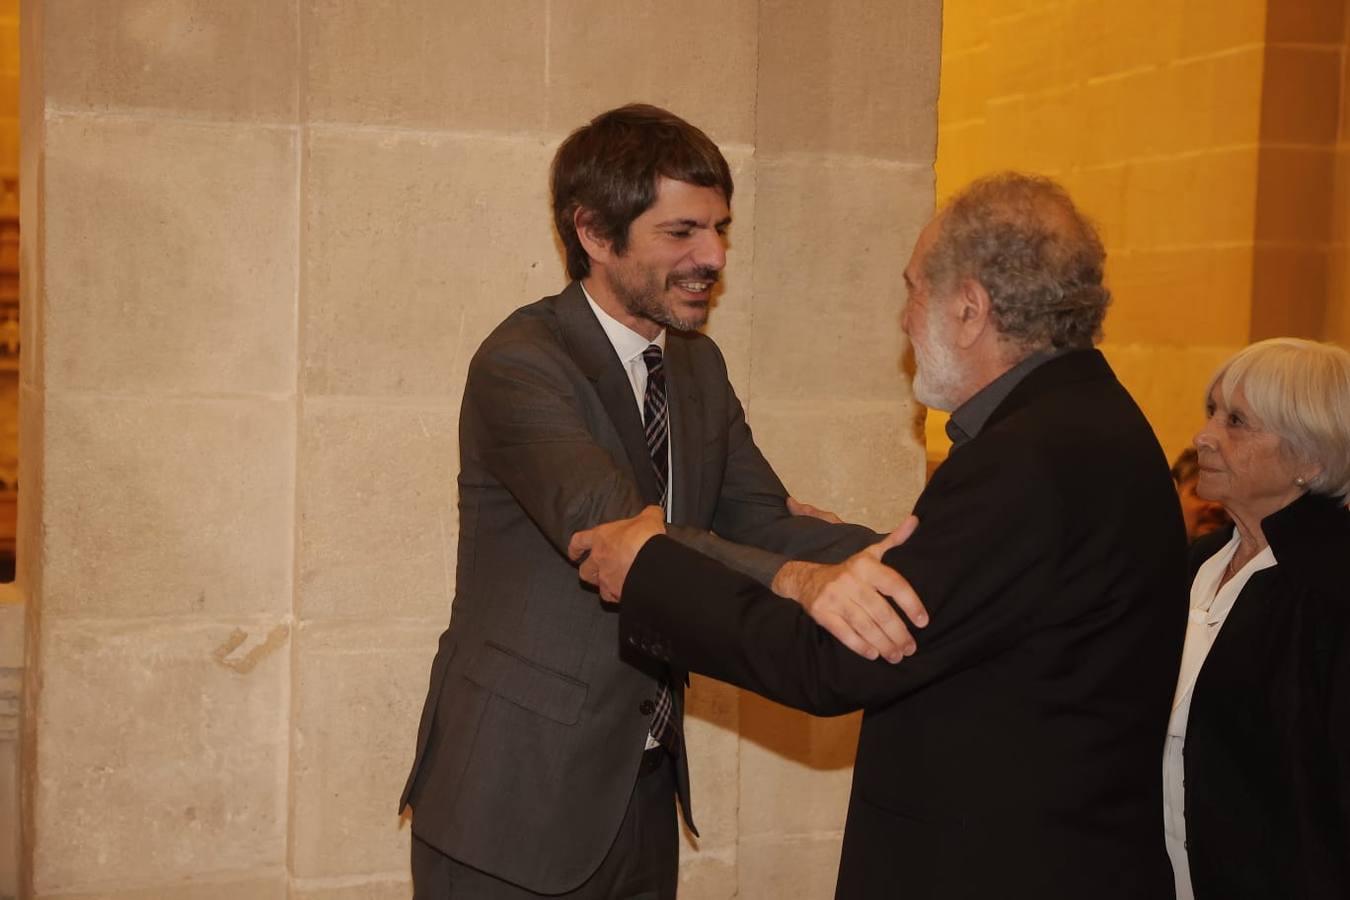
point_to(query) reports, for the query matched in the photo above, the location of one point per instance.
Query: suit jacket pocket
(527, 684)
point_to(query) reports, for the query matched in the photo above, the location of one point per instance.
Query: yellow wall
(9, 169)
(1179, 129)
(1338, 311)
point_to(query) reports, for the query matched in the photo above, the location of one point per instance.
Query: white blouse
(1210, 606)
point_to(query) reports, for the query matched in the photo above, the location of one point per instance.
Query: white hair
(1300, 390)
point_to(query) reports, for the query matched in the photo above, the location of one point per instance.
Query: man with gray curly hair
(1016, 249)
(1015, 753)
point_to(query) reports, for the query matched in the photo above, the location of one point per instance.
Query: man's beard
(937, 376)
(645, 300)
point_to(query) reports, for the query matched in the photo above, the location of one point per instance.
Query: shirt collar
(628, 344)
(969, 419)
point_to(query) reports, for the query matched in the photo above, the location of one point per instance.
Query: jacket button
(647, 708)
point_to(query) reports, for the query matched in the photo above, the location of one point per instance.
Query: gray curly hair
(1040, 259)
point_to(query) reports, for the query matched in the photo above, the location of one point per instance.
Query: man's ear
(598, 247)
(973, 310)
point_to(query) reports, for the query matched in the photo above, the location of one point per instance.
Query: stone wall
(1338, 307)
(1200, 136)
(261, 241)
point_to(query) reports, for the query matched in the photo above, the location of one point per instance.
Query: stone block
(377, 507)
(1211, 26)
(831, 245)
(1306, 22)
(1337, 325)
(177, 250)
(416, 246)
(796, 770)
(473, 65)
(359, 689)
(864, 460)
(705, 876)
(174, 770)
(1168, 383)
(29, 538)
(963, 33)
(1117, 37)
(712, 717)
(233, 61)
(1300, 93)
(1219, 99)
(850, 77)
(1026, 52)
(731, 323)
(697, 59)
(966, 154)
(793, 867)
(1038, 132)
(1295, 186)
(1102, 130)
(1193, 200)
(967, 87)
(11, 633)
(220, 887)
(372, 888)
(167, 506)
(9, 818)
(1289, 291)
(1180, 296)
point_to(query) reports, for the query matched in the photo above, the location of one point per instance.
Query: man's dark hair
(1040, 259)
(610, 166)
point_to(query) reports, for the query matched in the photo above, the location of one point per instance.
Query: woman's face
(1243, 466)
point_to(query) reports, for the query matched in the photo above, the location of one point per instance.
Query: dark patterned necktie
(656, 418)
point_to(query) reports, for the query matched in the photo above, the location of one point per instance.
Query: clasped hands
(847, 599)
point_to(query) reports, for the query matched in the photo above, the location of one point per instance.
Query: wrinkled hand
(798, 508)
(612, 548)
(849, 599)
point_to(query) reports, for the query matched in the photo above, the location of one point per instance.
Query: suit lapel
(686, 428)
(594, 354)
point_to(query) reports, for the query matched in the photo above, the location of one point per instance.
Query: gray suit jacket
(534, 722)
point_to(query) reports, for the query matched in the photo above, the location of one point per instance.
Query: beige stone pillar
(261, 241)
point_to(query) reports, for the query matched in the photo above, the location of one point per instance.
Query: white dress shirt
(629, 347)
(1210, 606)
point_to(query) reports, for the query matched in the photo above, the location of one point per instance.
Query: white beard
(937, 376)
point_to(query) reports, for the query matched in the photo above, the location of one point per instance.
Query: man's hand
(612, 548)
(798, 508)
(849, 599)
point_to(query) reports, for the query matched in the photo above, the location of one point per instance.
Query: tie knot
(652, 357)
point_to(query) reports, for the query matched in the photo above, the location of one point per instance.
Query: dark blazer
(533, 727)
(1268, 739)
(1017, 753)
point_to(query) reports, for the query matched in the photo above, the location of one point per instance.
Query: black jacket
(1268, 740)
(1016, 754)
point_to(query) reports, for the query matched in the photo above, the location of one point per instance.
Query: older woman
(1259, 804)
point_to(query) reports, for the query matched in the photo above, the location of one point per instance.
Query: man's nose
(712, 251)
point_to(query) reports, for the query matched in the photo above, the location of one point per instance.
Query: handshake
(858, 600)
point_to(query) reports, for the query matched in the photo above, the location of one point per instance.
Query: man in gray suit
(548, 761)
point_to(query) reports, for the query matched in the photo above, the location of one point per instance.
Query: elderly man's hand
(849, 599)
(612, 549)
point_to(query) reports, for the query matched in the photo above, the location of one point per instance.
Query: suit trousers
(642, 864)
